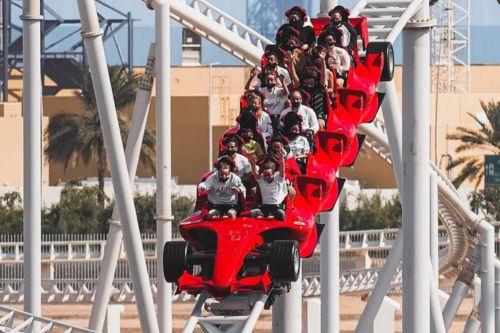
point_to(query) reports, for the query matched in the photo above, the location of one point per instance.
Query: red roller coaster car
(230, 255)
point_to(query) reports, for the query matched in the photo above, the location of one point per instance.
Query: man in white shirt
(310, 124)
(273, 188)
(223, 188)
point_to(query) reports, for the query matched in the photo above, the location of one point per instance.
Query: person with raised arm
(272, 185)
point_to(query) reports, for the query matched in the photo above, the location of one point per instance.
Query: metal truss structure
(63, 54)
(451, 52)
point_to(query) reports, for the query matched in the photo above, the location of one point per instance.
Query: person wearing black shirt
(297, 16)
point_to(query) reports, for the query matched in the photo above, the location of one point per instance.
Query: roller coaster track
(19, 321)
(221, 29)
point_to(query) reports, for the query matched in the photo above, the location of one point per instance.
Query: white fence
(71, 264)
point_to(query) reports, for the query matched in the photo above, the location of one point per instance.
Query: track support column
(287, 310)
(115, 234)
(416, 194)
(325, 6)
(330, 272)
(94, 47)
(163, 160)
(32, 157)
(487, 274)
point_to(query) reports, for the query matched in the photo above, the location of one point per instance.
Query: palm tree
(475, 143)
(73, 138)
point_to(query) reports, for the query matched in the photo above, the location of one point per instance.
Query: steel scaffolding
(451, 47)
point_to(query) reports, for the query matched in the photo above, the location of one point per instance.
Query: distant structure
(266, 17)
(62, 46)
(451, 47)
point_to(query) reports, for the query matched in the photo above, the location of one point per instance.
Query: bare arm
(253, 73)
(345, 61)
(282, 167)
(281, 78)
(289, 63)
(253, 164)
(323, 79)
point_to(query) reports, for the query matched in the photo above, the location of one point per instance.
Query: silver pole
(325, 6)
(497, 293)
(458, 293)
(121, 184)
(416, 210)
(32, 157)
(115, 235)
(365, 323)
(473, 325)
(435, 305)
(393, 125)
(434, 226)
(392, 119)
(163, 160)
(287, 310)
(487, 275)
(330, 272)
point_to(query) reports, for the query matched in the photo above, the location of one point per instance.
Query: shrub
(371, 213)
(11, 213)
(488, 201)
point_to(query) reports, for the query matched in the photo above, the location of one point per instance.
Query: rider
(273, 187)
(223, 188)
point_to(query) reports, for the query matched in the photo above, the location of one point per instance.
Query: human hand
(235, 189)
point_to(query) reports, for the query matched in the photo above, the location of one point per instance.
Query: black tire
(174, 260)
(387, 49)
(284, 263)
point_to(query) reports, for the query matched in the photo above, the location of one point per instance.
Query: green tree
(487, 201)
(475, 143)
(145, 206)
(79, 211)
(11, 213)
(372, 212)
(71, 138)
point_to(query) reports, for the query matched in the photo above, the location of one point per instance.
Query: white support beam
(487, 275)
(416, 208)
(115, 234)
(94, 47)
(32, 157)
(287, 310)
(330, 272)
(163, 160)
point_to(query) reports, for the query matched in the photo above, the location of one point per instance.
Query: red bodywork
(232, 242)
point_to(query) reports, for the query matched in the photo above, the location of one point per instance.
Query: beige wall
(190, 90)
(189, 141)
(11, 146)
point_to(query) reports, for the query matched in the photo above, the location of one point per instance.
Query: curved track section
(456, 218)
